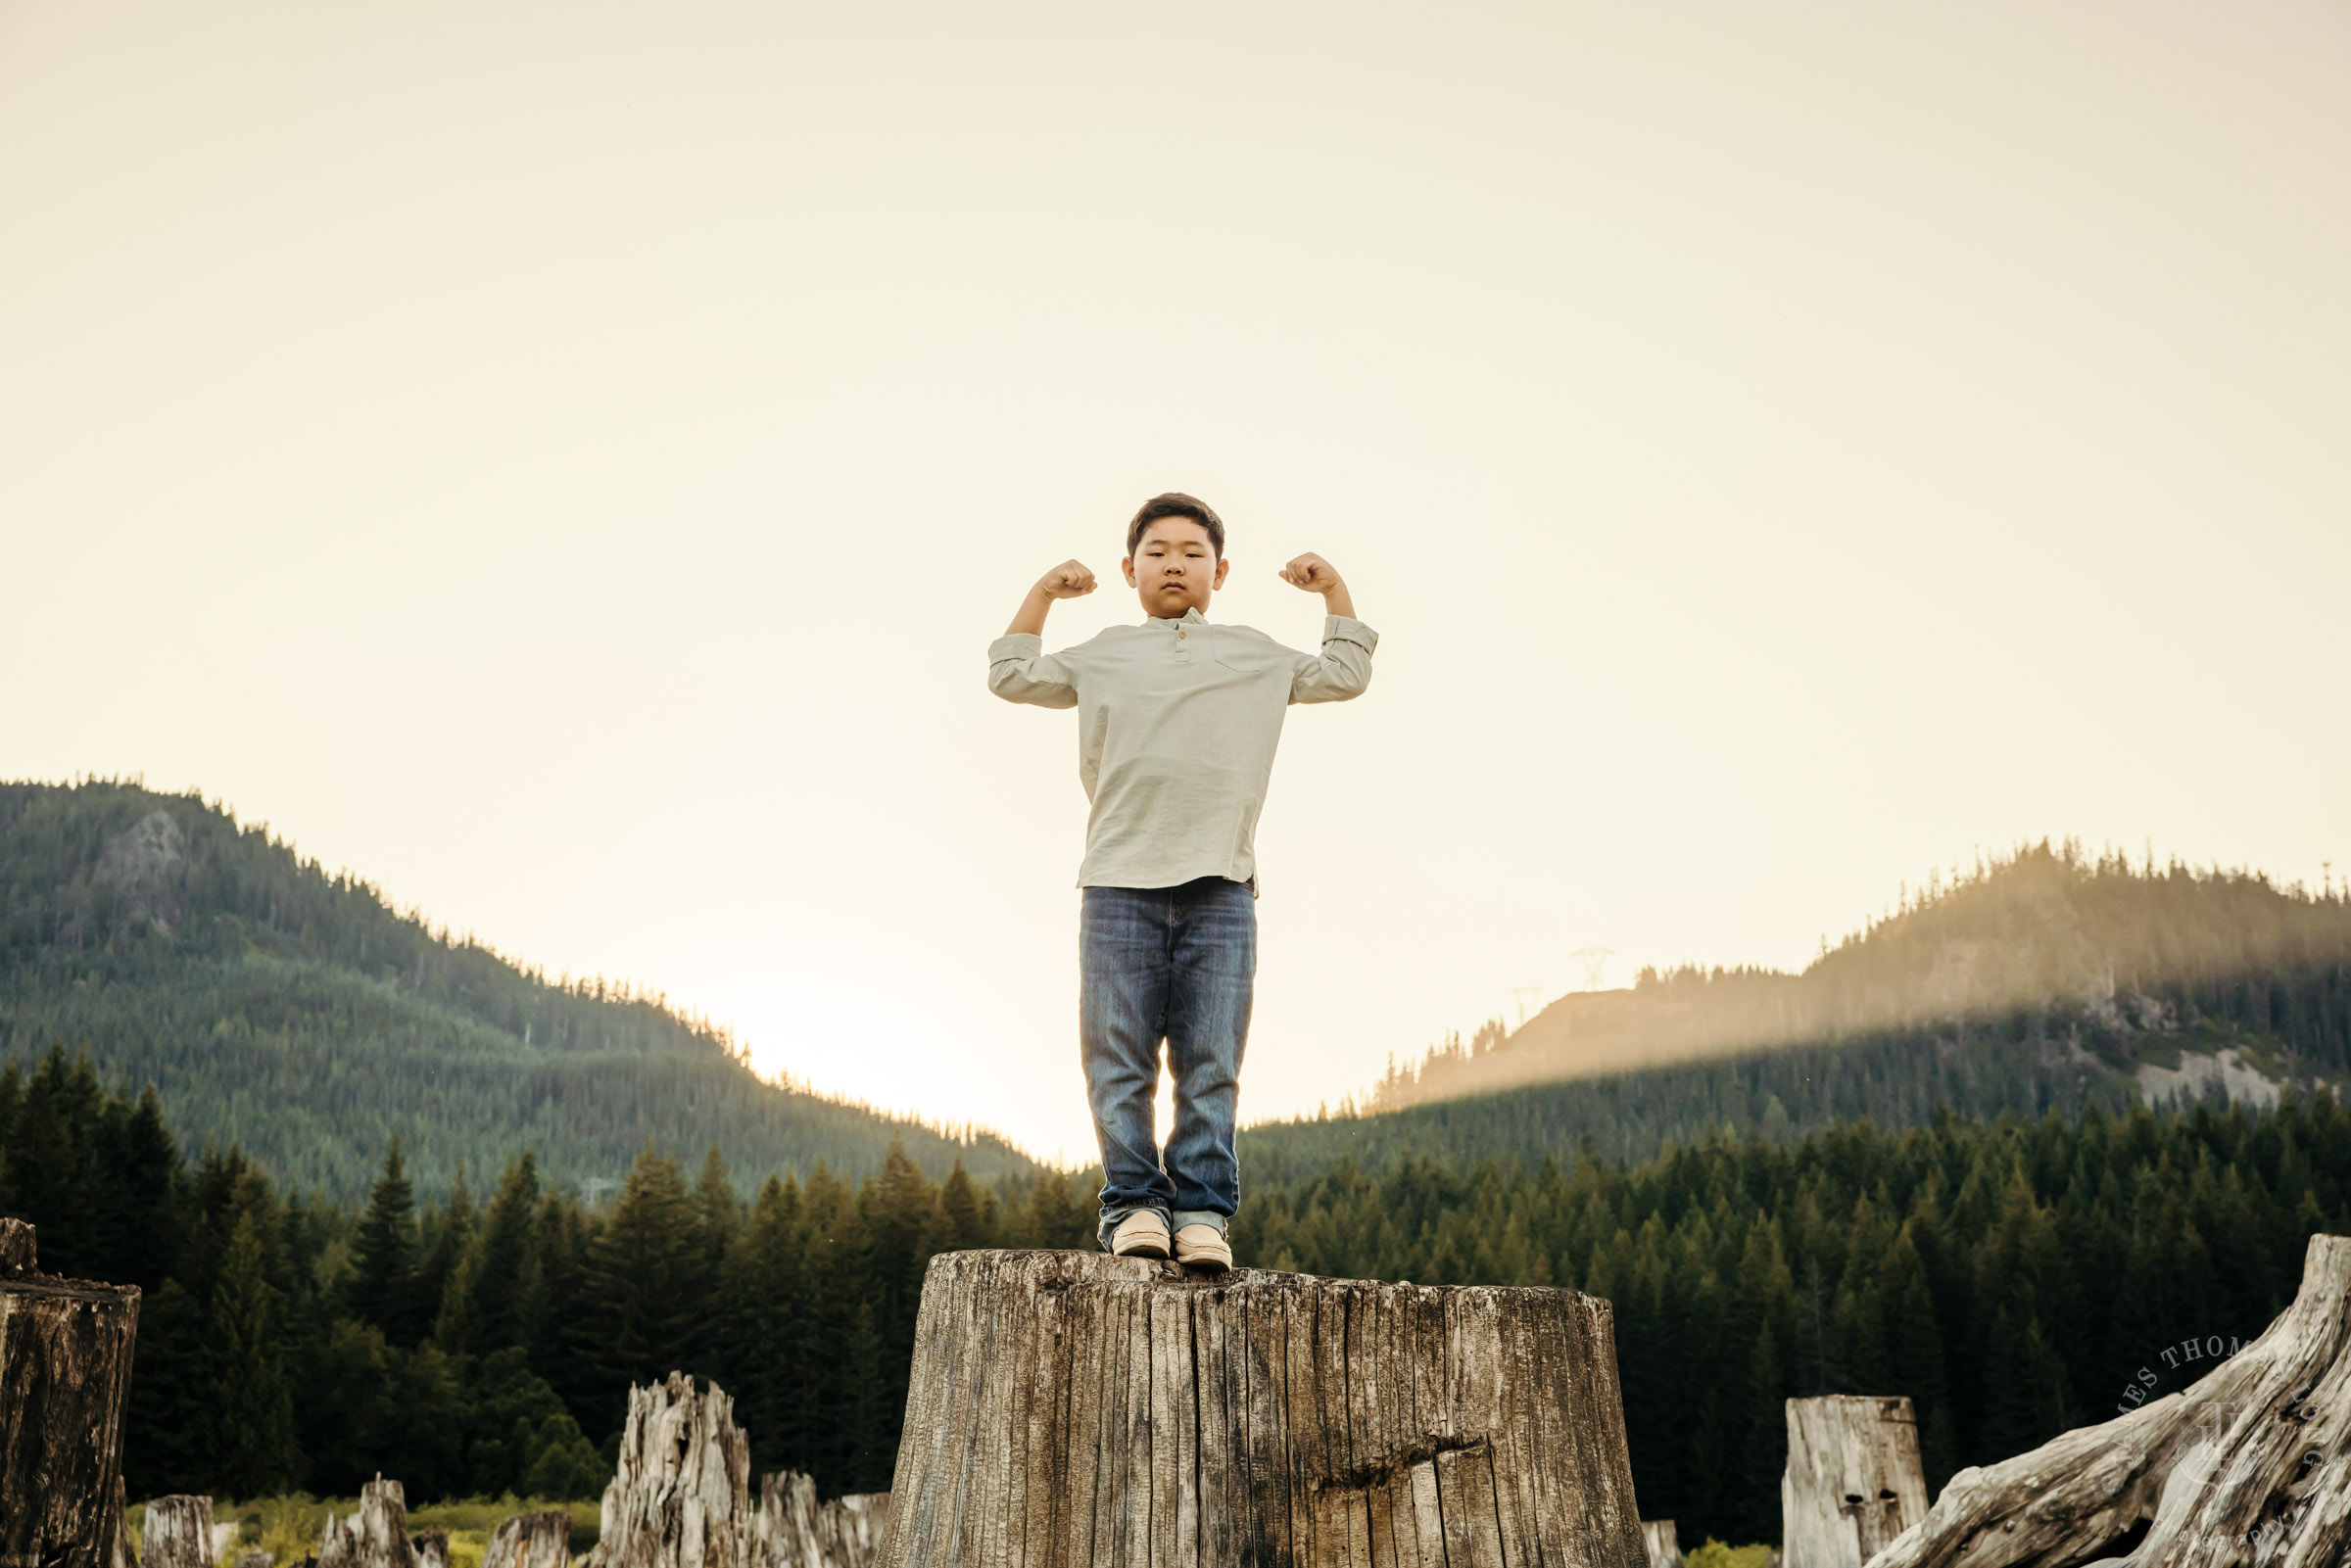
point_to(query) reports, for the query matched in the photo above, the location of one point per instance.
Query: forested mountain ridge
(2046, 981)
(291, 1011)
(2127, 960)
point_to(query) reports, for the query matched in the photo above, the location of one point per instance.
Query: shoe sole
(1157, 1251)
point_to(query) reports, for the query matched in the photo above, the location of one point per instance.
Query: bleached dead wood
(2250, 1468)
(179, 1532)
(64, 1369)
(257, 1559)
(1073, 1408)
(430, 1548)
(790, 1528)
(1664, 1543)
(374, 1535)
(1854, 1480)
(680, 1496)
(531, 1541)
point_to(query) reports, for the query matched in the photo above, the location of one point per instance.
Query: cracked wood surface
(1069, 1409)
(2249, 1468)
(1854, 1480)
(64, 1369)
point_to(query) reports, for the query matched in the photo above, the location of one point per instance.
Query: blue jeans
(1172, 966)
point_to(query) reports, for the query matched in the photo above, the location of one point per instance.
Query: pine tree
(251, 1411)
(383, 1279)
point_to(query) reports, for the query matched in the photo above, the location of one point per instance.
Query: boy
(1176, 724)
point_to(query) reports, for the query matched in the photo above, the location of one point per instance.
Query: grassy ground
(1714, 1555)
(288, 1527)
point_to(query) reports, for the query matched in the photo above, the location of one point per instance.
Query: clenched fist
(1311, 573)
(1069, 580)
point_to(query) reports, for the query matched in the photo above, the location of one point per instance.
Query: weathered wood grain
(680, 1496)
(64, 1370)
(375, 1534)
(1069, 1409)
(2250, 1468)
(1663, 1542)
(790, 1528)
(531, 1541)
(1854, 1480)
(179, 1532)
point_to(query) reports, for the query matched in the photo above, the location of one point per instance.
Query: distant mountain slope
(2047, 981)
(291, 1011)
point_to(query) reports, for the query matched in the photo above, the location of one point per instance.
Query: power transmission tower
(1594, 960)
(1522, 993)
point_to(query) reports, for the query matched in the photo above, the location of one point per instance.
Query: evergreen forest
(2049, 980)
(2014, 1277)
(287, 1010)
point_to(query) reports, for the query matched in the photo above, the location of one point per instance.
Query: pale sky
(566, 463)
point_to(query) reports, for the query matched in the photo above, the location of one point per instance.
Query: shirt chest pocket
(1245, 656)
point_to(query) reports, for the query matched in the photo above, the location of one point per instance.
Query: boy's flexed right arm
(1019, 669)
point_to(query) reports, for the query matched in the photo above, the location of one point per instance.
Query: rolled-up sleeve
(1020, 670)
(1343, 668)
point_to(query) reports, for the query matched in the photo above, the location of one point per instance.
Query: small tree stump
(430, 1547)
(680, 1496)
(256, 1560)
(64, 1370)
(531, 1541)
(2250, 1468)
(791, 1529)
(376, 1536)
(1073, 1408)
(178, 1532)
(1663, 1542)
(1854, 1480)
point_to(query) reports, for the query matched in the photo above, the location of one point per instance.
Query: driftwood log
(1663, 1542)
(1854, 1480)
(374, 1535)
(531, 1541)
(2249, 1468)
(1073, 1408)
(680, 1496)
(64, 1369)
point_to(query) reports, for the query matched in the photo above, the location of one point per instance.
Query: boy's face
(1174, 567)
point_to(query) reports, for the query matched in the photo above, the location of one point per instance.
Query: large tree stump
(179, 1532)
(1854, 1480)
(531, 1541)
(1663, 1542)
(1073, 1408)
(375, 1536)
(64, 1370)
(2250, 1468)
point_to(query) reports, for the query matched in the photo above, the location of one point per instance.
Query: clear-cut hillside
(289, 1010)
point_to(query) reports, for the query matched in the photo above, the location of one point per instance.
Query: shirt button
(1181, 636)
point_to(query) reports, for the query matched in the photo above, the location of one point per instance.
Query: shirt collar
(1190, 616)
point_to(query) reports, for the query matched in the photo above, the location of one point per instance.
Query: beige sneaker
(1142, 1234)
(1203, 1247)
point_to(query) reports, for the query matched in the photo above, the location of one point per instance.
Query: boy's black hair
(1175, 504)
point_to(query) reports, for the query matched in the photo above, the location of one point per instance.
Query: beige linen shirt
(1176, 724)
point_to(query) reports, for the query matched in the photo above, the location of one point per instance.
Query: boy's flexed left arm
(1344, 667)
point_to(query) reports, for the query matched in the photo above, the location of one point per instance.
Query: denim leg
(1124, 971)
(1213, 972)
